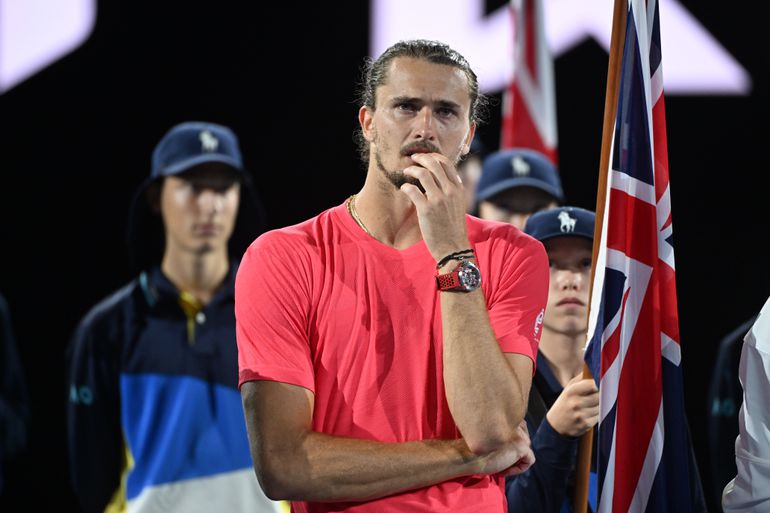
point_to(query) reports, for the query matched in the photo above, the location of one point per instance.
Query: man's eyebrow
(447, 104)
(405, 99)
(411, 99)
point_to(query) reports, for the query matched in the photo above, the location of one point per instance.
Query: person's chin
(575, 329)
(398, 179)
(203, 247)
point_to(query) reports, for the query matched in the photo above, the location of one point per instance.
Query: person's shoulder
(759, 334)
(102, 330)
(104, 314)
(295, 238)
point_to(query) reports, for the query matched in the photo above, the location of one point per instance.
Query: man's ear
(366, 120)
(469, 138)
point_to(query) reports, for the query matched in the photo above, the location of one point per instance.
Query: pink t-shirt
(325, 306)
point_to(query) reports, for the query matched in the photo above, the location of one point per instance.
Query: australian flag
(645, 461)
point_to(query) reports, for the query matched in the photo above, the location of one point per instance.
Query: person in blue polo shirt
(154, 417)
(562, 404)
(515, 183)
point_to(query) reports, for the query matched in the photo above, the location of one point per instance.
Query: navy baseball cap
(192, 143)
(561, 222)
(183, 147)
(518, 167)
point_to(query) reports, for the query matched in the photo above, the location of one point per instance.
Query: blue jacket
(547, 486)
(154, 417)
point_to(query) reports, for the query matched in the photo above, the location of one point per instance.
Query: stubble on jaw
(397, 177)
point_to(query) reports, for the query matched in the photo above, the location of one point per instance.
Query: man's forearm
(328, 468)
(485, 395)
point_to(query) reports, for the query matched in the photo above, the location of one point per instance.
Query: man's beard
(397, 176)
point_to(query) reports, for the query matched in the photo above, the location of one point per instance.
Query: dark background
(75, 141)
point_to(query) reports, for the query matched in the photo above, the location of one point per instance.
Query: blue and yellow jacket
(154, 416)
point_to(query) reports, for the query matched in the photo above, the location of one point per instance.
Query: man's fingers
(527, 460)
(413, 193)
(449, 168)
(441, 168)
(426, 179)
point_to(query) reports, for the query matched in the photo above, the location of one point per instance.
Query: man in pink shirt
(386, 346)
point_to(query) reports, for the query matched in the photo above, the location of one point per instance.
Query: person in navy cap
(514, 184)
(562, 404)
(154, 416)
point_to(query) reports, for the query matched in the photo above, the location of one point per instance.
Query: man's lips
(418, 150)
(411, 150)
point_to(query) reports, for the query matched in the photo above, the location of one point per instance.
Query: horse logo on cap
(567, 222)
(208, 141)
(520, 166)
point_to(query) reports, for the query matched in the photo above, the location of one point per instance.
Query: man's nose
(425, 128)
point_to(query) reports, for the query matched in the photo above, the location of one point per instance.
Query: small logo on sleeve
(81, 395)
(539, 321)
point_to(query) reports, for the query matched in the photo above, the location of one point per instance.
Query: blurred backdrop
(76, 138)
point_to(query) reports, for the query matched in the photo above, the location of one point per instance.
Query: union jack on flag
(529, 103)
(644, 457)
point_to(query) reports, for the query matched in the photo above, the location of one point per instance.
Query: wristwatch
(466, 277)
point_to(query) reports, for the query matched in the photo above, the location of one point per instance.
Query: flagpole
(619, 16)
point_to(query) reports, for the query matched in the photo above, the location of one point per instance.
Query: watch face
(469, 276)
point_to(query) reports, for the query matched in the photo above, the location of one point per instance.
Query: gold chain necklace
(352, 211)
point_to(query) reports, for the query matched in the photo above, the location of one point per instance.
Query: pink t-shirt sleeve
(272, 301)
(517, 302)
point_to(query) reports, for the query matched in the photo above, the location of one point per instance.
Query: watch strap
(448, 281)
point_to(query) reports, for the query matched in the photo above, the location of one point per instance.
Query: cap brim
(197, 160)
(555, 235)
(512, 183)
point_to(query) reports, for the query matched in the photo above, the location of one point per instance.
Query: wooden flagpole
(619, 16)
